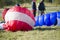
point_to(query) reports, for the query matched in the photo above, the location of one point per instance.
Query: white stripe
(20, 17)
(58, 21)
(1, 25)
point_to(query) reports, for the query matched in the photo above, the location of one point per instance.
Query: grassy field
(36, 34)
(52, 33)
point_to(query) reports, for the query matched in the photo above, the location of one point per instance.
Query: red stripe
(4, 12)
(15, 25)
(22, 10)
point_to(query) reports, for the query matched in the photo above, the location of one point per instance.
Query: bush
(12, 2)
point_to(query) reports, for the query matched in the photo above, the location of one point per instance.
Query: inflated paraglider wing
(19, 18)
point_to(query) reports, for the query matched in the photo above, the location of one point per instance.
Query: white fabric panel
(58, 21)
(20, 17)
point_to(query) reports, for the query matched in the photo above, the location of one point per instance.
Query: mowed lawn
(36, 34)
(45, 33)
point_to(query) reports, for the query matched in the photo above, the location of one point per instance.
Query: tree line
(53, 1)
(12, 2)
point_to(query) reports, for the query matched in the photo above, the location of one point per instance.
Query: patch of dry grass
(36, 34)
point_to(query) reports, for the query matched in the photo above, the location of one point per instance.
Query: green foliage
(1, 4)
(24, 1)
(12, 2)
(57, 1)
(6, 3)
(53, 1)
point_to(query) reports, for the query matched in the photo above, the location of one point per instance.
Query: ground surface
(36, 34)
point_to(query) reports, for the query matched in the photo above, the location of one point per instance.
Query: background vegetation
(12, 2)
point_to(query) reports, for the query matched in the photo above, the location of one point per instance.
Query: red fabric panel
(15, 25)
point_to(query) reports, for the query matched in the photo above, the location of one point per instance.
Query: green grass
(1, 18)
(36, 34)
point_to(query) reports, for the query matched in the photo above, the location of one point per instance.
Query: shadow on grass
(43, 29)
(2, 31)
(39, 28)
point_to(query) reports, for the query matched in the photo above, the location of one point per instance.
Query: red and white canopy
(18, 18)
